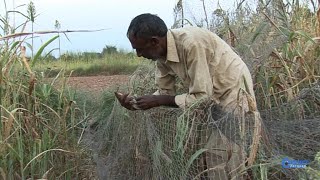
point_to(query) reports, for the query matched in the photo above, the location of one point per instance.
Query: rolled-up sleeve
(200, 86)
(165, 82)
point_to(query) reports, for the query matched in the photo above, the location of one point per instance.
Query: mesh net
(168, 143)
(201, 142)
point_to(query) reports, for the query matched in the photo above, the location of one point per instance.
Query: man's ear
(155, 40)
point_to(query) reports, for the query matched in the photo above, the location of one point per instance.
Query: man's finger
(118, 95)
(129, 100)
(123, 98)
(140, 98)
(140, 102)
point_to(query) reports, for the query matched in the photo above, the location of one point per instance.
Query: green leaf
(305, 35)
(194, 157)
(36, 57)
(285, 31)
(19, 13)
(258, 31)
(14, 45)
(49, 53)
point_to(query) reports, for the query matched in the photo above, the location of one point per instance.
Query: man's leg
(224, 159)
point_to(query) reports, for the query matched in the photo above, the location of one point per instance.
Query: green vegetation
(280, 42)
(42, 127)
(88, 64)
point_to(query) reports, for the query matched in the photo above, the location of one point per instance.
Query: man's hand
(147, 102)
(151, 101)
(125, 101)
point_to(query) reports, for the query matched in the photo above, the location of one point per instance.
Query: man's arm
(150, 101)
(200, 83)
(165, 83)
(200, 86)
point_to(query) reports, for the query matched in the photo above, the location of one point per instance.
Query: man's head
(148, 36)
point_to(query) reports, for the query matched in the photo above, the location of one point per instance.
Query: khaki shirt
(207, 66)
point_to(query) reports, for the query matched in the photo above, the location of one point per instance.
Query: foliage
(280, 42)
(40, 125)
(109, 50)
(88, 64)
(314, 170)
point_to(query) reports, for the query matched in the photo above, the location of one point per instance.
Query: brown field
(96, 84)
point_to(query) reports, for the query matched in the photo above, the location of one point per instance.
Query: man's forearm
(166, 100)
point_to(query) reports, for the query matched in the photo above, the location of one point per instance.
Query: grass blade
(36, 57)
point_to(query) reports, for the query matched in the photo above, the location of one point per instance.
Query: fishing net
(203, 142)
(171, 143)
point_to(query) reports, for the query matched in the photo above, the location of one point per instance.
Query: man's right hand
(124, 100)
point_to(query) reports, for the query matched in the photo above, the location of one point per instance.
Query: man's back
(197, 55)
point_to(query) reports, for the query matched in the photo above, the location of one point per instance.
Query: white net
(201, 142)
(170, 143)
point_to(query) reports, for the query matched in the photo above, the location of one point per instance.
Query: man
(205, 63)
(207, 66)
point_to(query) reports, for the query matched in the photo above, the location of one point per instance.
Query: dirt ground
(97, 84)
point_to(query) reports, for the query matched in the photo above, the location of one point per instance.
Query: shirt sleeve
(200, 86)
(165, 81)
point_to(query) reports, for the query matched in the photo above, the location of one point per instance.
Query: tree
(109, 50)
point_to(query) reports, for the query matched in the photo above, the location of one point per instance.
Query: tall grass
(40, 126)
(280, 42)
(282, 50)
(290, 68)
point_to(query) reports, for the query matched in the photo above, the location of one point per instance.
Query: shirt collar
(172, 54)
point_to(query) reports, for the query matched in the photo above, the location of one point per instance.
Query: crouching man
(207, 66)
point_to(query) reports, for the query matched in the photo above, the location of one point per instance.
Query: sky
(112, 15)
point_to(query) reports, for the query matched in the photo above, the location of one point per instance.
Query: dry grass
(40, 126)
(280, 44)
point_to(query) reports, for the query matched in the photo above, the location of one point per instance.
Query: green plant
(87, 64)
(40, 125)
(314, 171)
(57, 26)
(31, 10)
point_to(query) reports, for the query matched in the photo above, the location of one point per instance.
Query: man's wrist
(166, 100)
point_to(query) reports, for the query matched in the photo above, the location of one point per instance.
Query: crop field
(47, 103)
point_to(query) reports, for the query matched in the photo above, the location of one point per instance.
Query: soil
(96, 84)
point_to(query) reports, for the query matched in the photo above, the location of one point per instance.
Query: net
(169, 143)
(201, 142)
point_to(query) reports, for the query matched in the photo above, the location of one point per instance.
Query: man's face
(147, 48)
